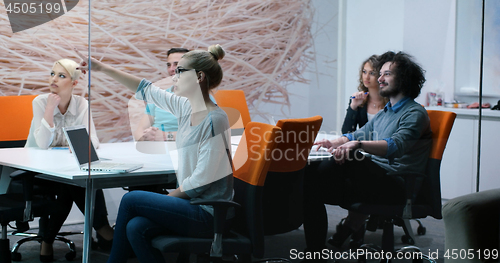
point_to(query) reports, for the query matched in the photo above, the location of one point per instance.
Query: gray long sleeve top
(406, 128)
(204, 170)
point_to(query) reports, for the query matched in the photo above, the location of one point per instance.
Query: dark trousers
(65, 196)
(327, 182)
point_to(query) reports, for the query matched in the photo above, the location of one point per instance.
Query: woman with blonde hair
(51, 113)
(204, 163)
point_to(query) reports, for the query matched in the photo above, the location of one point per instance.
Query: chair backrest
(16, 113)
(251, 163)
(441, 125)
(231, 100)
(294, 142)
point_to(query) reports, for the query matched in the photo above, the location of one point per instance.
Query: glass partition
(468, 51)
(480, 130)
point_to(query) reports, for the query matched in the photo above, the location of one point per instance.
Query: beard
(390, 91)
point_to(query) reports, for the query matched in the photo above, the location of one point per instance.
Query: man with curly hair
(396, 141)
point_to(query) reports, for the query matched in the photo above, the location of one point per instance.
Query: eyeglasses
(179, 70)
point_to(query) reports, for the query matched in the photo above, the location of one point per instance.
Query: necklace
(374, 103)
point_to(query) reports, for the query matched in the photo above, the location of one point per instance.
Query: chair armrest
(216, 202)
(28, 179)
(220, 213)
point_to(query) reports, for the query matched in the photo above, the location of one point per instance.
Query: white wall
(429, 35)
(368, 32)
(422, 28)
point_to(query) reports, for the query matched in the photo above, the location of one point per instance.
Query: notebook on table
(78, 140)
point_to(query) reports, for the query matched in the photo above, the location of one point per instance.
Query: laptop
(321, 153)
(78, 139)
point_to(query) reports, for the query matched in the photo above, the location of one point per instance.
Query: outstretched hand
(126, 79)
(95, 64)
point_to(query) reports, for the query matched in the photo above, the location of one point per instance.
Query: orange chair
(425, 202)
(246, 238)
(16, 113)
(18, 110)
(234, 103)
(283, 193)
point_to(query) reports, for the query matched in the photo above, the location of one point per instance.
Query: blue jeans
(144, 215)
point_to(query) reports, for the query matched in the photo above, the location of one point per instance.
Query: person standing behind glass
(158, 124)
(51, 112)
(367, 102)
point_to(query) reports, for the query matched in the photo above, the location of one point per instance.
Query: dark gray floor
(281, 245)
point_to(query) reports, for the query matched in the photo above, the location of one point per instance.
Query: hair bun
(217, 51)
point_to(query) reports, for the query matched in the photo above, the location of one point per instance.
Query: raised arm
(128, 80)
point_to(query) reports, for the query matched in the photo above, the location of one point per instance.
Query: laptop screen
(78, 138)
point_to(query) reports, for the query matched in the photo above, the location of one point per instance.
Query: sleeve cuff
(350, 110)
(391, 147)
(46, 125)
(139, 94)
(349, 136)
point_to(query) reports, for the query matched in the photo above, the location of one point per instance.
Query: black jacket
(354, 118)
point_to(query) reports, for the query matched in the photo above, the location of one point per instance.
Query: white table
(61, 166)
(313, 157)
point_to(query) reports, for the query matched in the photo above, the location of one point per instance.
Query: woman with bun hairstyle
(51, 113)
(204, 166)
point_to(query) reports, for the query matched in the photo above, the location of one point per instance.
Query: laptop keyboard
(106, 165)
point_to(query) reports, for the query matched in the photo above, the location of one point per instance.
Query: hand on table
(325, 144)
(342, 153)
(149, 134)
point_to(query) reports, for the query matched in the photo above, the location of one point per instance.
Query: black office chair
(20, 207)
(22, 228)
(423, 193)
(246, 237)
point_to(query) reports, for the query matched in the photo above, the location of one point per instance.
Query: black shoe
(47, 258)
(358, 237)
(103, 243)
(343, 232)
